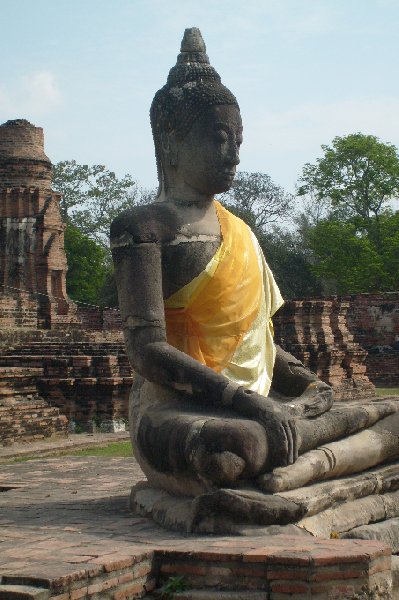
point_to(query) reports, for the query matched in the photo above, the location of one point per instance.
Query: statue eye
(221, 136)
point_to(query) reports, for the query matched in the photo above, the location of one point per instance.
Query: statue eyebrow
(225, 125)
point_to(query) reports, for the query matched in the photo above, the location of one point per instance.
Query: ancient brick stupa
(32, 259)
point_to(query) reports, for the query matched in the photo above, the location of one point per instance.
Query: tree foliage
(92, 196)
(347, 225)
(358, 175)
(289, 261)
(87, 267)
(353, 258)
(258, 200)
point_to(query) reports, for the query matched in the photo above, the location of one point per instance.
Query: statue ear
(170, 147)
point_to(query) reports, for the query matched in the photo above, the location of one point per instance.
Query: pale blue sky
(303, 71)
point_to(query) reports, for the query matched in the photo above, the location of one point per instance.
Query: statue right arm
(139, 281)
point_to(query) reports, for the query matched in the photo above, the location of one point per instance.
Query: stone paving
(65, 528)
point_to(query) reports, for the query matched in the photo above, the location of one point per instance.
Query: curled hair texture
(192, 86)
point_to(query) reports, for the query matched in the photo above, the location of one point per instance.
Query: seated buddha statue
(215, 402)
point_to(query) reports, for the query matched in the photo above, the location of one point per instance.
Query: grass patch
(394, 391)
(114, 449)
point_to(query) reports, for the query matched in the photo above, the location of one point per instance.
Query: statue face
(207, 158)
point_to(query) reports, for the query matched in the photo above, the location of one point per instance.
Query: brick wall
(283, 568)
(99, 319)
(316, 332)
(18, 311)
(374, 322)
(30, 420)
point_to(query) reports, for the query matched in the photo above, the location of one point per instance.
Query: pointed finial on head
(192, 41)
(192, 48)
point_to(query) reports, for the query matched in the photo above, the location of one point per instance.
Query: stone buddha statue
(215, 404)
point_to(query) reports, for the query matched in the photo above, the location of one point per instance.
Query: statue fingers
(295, 439)
(281, 442)
(290, 442)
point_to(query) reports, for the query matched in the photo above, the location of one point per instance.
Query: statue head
(192, 90)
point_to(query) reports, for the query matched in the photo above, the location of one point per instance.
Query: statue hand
(276, 419)
(315, 400)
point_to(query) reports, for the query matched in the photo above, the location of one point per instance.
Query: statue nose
(234, 154)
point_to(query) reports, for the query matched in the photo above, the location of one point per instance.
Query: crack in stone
(132, 322)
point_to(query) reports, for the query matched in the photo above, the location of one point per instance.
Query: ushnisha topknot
(192, 86)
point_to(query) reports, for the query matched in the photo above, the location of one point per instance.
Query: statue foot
(221, 468)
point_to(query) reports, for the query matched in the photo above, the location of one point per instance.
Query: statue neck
(183, 195)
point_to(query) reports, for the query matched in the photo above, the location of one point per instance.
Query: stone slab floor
(66, 533)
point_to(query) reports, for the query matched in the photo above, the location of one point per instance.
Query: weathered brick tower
(32, 258)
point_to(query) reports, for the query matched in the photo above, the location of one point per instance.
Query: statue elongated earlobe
(169, 148)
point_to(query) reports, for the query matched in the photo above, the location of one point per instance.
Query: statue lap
(174, 437)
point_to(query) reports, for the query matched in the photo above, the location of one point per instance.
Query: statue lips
(229, 175)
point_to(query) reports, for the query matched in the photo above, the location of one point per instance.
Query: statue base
(364, 505)
(243, 511)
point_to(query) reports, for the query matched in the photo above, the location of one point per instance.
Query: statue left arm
(306, 394)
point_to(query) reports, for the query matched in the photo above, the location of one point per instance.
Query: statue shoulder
(144, 224)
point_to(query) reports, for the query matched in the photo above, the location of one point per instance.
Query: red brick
(287, 574)
(184, 569)
(119, 562)
(142, 569)
(79, 593)
(215, 555)
(289, 588)
(249, 571)
(380, 564)
(324, 575)
(126, 577)
(129, 591)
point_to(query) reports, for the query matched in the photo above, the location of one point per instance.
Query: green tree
(389, 249)
(348, 258)
(288, 258)
(87, 266)
(349, 263)
(258, 200)
(357, 175)
(347, 223)
(92, 196)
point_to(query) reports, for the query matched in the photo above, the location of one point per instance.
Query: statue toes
(225, 467)
(221, 468)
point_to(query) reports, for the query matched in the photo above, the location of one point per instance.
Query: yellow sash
(219, 309)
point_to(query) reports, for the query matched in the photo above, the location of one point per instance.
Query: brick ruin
(316, 331)
(52, 371)
(32, 258)
(374, 321)
(62, 364)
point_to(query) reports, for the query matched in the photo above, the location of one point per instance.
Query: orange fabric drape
(219, 313)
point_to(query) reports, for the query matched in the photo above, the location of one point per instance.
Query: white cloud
(32, 96)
